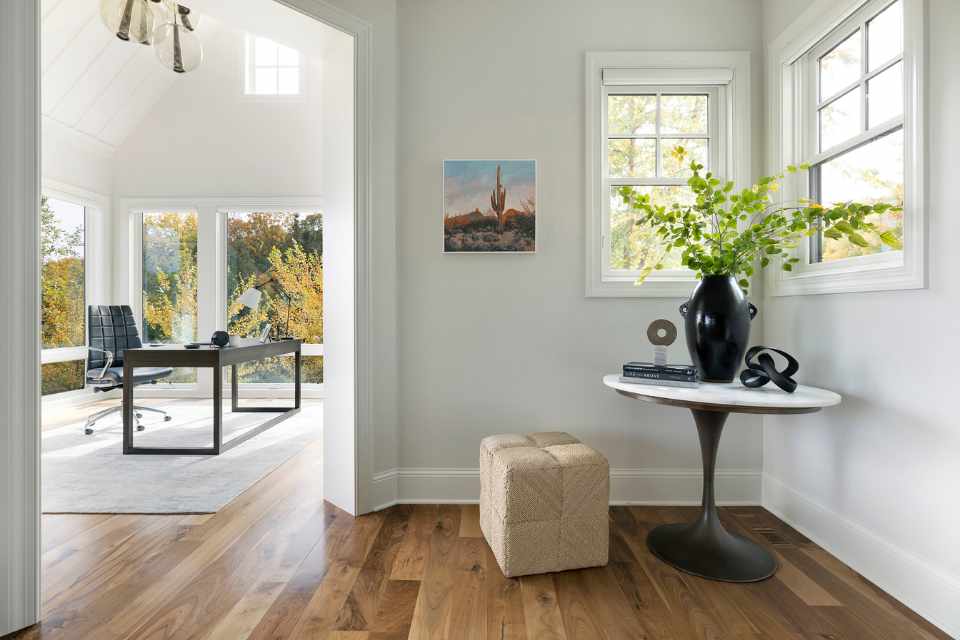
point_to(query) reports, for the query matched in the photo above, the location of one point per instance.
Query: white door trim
(20, 316)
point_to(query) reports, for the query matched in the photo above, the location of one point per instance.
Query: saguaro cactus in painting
(498, 201)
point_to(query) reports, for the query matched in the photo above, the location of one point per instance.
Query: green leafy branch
(726, 232)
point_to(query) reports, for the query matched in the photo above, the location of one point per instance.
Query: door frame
(20, 183)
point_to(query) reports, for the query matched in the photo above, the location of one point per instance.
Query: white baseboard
(920, 586)
(627, 486)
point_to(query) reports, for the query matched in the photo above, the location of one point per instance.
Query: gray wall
(509, 343)
(876, 478)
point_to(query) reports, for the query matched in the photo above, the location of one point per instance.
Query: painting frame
(444, 202)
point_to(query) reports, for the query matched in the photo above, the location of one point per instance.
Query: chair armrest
(106, 367)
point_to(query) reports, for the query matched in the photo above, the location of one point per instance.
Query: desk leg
(127, 407)
(217, 410)
(297, 364)
(234, 388)
(704, 548)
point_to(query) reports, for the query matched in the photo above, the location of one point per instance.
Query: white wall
(875, 480)
(509, 343)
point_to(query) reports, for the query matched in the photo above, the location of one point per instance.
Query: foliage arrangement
(727, 232)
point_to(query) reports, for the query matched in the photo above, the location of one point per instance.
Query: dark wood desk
(176, 355)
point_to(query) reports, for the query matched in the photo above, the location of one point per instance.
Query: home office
(183, 282)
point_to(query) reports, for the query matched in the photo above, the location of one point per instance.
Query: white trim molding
(728, 75)
(628, 486)
(913, 581)
(789, 142)
(20, 317)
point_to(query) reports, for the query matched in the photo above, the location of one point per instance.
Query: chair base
(138, 413)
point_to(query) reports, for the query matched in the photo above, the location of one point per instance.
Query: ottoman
(544, 502)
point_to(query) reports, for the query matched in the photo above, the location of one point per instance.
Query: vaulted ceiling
(94, 83)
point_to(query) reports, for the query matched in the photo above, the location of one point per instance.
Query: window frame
(727, 73)
(716, 164)
(212, 280)
(96, 208)
(249, 73)
(795, 103)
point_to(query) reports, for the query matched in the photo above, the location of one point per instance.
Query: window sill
(655, 286)
(883, 272)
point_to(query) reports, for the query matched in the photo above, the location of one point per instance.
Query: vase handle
(753, 310)
(683, 310)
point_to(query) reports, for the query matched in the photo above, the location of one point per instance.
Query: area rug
(90, 474)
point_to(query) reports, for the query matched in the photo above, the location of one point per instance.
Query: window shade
(653, 76)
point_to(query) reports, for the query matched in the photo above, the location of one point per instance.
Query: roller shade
(653, 76)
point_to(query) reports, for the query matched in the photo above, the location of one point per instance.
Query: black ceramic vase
(717, 319)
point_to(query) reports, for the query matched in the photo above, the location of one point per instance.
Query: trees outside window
(170, 282)
(282, 253)
(62, 283)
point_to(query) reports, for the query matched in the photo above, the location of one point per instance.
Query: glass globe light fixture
(177, 46)
(129, 20)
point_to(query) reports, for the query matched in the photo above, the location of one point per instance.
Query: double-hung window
(641, 108)
(850, 109)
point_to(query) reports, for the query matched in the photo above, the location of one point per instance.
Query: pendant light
(130, 20)
(177, 46)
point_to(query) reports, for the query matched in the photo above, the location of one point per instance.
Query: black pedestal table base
(704, 548)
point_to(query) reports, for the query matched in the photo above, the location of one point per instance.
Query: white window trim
(791, 144)
(248, 77)
(96, 247)
(212, 277)
(730, 71)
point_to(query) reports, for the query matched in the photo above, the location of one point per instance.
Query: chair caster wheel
(140, 427)
(139, 416)
(167, 418)
(88, 431)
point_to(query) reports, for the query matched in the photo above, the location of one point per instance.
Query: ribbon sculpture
(764, 370)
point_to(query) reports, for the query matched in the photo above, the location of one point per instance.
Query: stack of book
(665, 375)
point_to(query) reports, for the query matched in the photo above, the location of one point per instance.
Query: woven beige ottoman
(543, 502)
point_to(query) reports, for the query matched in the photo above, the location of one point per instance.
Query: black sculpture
(764, 370)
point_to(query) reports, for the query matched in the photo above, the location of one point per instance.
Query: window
(63, 295)
(642, 129)
(271, 69)
(192, 260)
(850, 109)
(170, 282)
(280, 254)
(858, 120)
(640, 107)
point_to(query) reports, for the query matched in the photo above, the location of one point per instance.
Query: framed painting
(489, 206)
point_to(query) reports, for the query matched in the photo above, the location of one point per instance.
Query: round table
(704, 548)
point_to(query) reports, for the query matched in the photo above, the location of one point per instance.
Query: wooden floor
(279, 563)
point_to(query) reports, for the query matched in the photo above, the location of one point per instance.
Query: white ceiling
(101, 88)
(93, 82)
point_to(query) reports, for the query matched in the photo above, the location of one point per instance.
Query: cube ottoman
(544, 502)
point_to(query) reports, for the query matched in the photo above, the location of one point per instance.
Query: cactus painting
(490, 206)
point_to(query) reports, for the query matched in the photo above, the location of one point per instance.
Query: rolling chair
(113, 329)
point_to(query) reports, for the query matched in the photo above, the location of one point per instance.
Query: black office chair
(112, 329)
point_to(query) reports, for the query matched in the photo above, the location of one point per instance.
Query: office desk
(176, 355)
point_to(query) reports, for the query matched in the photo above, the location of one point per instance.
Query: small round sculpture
(220, 338)
(764, 370)
(662, 333)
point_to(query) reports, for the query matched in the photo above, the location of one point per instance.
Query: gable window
(271, 69)
(640, 108)
(850, 109)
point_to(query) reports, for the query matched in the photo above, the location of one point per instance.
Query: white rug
(90, 474)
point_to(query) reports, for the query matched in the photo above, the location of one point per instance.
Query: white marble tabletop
(732, 397)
